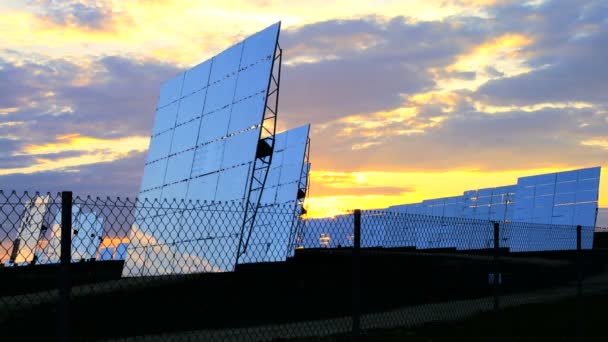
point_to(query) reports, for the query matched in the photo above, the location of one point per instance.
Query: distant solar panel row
(551, 203)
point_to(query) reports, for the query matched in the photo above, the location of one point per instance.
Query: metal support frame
(356, 281)
(300, 206)
(261, 164)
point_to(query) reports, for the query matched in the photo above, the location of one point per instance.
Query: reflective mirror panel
(240, 148)
(261, 45)
(253, 80)
(160, 146)
(208, 158)
(170, 91)
(165, 118)
(214, 126)
(179, 167)
(196, 78)
(226, 64)
(185, 137)
(191, 107)
(232, 184)
(220, 95)
(154, 174)
(203, 188)
(247, 113)
(175, 191)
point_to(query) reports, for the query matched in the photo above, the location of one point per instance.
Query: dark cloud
(117, 99)
(570, 53)
(374, 63)
(117, 178)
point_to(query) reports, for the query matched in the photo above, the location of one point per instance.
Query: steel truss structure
(264, 152)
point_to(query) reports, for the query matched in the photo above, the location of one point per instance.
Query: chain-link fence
(84, 268)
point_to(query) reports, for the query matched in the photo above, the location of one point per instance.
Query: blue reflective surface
(160, 146)
(196, 78)
(232, 183)
(254, 79)
(106, 253)
(179, 167)
(170, 90)
(203, 188)
(184, 137)
(240, 149)
(154, 174)
(121, 251)
(214, 126)
(226, 63)
(175, 191)
(247, 113)
(190, 107)
(165, 118)
(208, 158)
(261, 45)
(220, 95)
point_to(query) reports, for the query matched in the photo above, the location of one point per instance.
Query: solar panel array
(555, 201)
(204, 147)
(565, 198)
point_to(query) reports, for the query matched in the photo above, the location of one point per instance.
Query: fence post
(496, 280)
(63, 311)
(579, 284)
(356, 281)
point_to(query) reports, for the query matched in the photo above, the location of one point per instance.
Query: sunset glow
(407, 100)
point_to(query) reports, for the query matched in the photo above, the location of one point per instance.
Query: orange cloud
(504, 54)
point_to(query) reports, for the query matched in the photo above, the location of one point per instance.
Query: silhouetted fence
(103, 269)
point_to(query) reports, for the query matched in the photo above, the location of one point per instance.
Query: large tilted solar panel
(202, 148)
(277, 217)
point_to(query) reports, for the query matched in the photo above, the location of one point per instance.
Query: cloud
(71, 114)
(373, 64)
(77, 13)
(568, 57)
(117, 178)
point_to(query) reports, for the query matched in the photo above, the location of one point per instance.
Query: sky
(408, 100)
